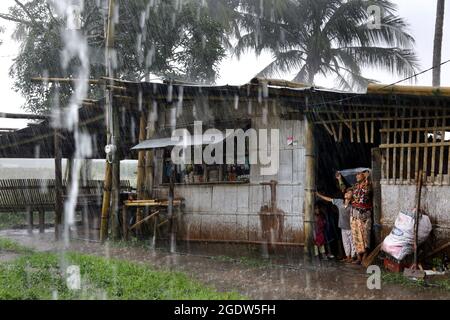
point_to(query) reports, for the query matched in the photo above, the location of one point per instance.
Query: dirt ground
(242, 269)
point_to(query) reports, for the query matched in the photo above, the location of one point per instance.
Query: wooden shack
(395, 130)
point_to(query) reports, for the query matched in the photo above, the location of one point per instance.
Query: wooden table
(157, 204)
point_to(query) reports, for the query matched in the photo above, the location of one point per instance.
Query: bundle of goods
(400, 242)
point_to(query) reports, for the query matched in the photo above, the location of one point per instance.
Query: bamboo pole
(155, 229)
(41, 220)
(448, 163)
(30, 220)
(418, 135)
(425, 150)
(23, 116)
(358, 137)
(381, 119)
(402, 149)
(106, 202)
(388, 151)
(441, 153)
(409, 152)
(137, 224)
(149, 154)
(366, 131)
(433, 152)
(410, 90)
(58, 185)
(372, 131)
(394, 150)
(170, 214)
(332, 128)
(64, 80)
(115, 196)
(422, 144)
(351, 132)
(125, 223)
(308, 219)
(416, 216)
(108, 96)
(141, 171)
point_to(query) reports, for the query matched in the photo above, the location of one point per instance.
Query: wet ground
(286, 275)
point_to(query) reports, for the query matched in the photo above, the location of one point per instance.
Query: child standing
(319, 232)
(344, 207)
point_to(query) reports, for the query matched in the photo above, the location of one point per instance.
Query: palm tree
(312, 37)
(437, 51)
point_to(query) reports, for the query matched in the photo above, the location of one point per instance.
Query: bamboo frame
(434, 153)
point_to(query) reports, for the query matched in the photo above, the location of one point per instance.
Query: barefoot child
(344, 207)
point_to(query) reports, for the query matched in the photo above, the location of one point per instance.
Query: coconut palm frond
(284, 62)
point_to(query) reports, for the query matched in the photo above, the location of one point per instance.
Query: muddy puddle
(241, 268)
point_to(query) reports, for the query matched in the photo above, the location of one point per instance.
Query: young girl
(319, 232)
(345, 208)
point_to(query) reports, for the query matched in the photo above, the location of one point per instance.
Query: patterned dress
(361, 215)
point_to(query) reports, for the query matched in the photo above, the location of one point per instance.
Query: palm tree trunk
(438, 34)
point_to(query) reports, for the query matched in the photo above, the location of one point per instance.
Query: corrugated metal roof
(186, 141)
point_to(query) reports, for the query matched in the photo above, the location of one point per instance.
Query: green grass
(39, 276)
(7, 245)
(11, 220)
(398, 278)
(247, 261)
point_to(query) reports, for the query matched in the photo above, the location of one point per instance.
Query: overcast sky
(419, 13)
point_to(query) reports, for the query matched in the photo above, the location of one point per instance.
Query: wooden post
(388, 151)
(394, 149)
(41, 220)
(170, 214)
(417, 216)
(30, 220)
(155, 229)
(115, 201)
(418, 136)
(402, 149)
(310, 188)
(433, 149)
(58, 185)
(410, 139)
(376, 178)
(125, 222)
(441, 151)
(150, 129)
(425, 150)
(106, 203)
(108, 107)
(141, 172)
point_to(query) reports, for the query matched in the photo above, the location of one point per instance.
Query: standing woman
(361, 214)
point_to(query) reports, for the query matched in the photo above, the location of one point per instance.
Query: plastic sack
(399, 243)
(350, 174)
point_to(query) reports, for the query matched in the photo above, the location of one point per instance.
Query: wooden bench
(32, 195)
